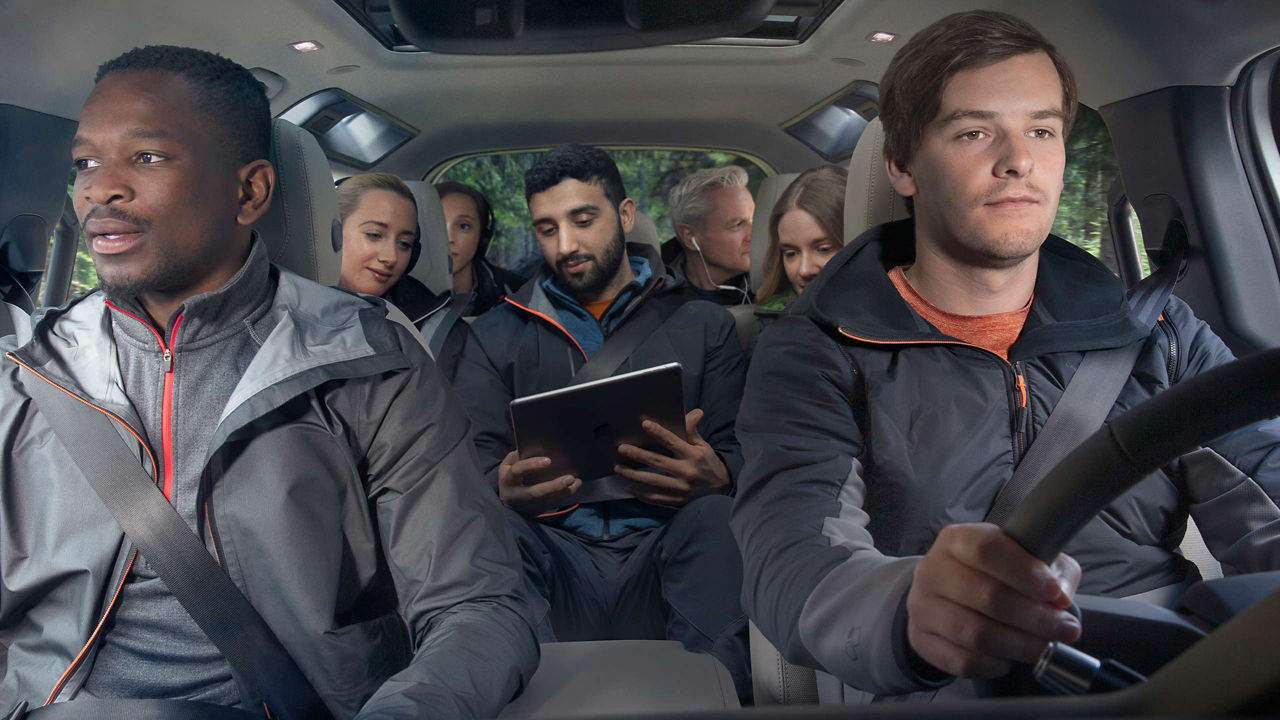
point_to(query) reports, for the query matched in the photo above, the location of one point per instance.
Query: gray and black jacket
(526, 346)
(865, 431)
(340, 493)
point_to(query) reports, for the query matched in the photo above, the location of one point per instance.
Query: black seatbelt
(266, 674)
(435, 342)
(621, 344)
(1088, 397)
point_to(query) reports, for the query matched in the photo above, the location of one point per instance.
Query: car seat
(869, 201)
(301, 228)
(767, 195)
(33, 191)
(434, 267)
(644, 231)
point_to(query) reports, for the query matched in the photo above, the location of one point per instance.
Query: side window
(83, 275)
(1090, 173)
(647, 173)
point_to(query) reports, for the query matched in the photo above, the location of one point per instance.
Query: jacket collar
(1079, 304)
(320, 334)
(207, 317)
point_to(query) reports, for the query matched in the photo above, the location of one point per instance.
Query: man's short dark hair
(911, 90)
(578, 162)
(228, 96)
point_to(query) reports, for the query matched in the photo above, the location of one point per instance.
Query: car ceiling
(700, 95)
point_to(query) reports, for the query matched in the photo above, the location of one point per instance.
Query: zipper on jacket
(133, 556)
(1023, 409)
(166, 409)
(1172, 333)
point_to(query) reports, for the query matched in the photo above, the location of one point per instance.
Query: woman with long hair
(806, 229)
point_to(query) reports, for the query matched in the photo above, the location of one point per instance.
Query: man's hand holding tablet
(537, 498)
(687, 469)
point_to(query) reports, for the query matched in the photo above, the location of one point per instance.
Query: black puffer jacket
(865, 431)
(525, 347)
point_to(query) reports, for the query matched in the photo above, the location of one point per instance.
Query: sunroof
(791, 22)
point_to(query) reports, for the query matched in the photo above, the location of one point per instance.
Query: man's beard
(169, 275)
(602, 270)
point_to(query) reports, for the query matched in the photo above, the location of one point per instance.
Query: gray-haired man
(711, 212)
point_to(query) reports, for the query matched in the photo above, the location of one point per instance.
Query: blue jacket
(539, 337)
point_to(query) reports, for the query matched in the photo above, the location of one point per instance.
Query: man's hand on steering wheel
(978, 602)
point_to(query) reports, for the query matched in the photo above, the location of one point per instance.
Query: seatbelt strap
(435, 341)
(266, 674)
(621, 344)
(1088, 397)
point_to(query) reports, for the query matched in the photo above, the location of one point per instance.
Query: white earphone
(746, 295)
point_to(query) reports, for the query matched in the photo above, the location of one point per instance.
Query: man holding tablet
(663, 563)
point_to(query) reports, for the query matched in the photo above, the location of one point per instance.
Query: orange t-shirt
(598, 307)
(990, 332)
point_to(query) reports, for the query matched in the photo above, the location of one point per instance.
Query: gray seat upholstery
(644, 231)
(433, 268)
(301, 228)
(623, 677)
(767, 196)
(869, 201)
(771, 188)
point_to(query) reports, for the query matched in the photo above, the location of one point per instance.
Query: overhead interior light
(306, 46)
(881, 37)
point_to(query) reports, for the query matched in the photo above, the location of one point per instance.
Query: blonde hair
(351, 189)
(819, 192)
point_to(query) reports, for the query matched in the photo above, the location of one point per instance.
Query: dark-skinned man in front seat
(884, 413)
(309, 442)
(659, 563)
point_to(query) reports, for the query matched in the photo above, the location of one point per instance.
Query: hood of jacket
(320, 334)
(660, 279)
(1079, 303)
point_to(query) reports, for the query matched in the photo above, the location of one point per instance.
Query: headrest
(869, 199)
(644, 231)
(433, 268)
(33, 189)
(771, 189)
(301, 228)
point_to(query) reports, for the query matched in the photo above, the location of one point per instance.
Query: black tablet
(580, 427)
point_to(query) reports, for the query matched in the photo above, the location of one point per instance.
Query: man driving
(936, 349)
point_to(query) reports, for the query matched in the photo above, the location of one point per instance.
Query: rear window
(647, 173)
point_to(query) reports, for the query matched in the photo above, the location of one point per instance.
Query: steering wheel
(1242, 653)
